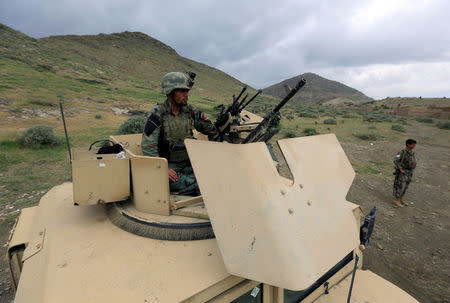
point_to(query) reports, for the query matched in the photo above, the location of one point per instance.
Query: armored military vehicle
(116, 233)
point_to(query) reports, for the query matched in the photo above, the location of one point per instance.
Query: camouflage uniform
(405, 160)
(164, 136)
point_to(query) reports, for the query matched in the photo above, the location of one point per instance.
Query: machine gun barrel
(290, 95)
(249, 101)
(236, 109)
(262, 130)
(240, 94)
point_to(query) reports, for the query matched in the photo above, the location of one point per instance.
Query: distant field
(414, 101)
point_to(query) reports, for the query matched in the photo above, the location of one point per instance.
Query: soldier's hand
(402, 170)
(173, 175)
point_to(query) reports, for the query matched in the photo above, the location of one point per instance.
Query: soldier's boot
(404, 203)
(398, 203)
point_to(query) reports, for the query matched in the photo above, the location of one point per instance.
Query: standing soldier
(405, 162)
(171, 122)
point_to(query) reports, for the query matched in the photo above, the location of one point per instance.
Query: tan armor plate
(286, 235)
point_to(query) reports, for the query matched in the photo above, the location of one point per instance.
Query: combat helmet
(177, 80)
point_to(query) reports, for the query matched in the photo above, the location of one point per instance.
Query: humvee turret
(116, 234)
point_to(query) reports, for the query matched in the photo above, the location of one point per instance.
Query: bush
(98, 116)
(38, 136)
(398, 128)
(42, 103)
(330, 121)
(371, 119)
(371, 137)
(349, 116)
(308, 115)
(371, 127)
(290, 135)
(402, 121)
(443, 125)
(310, 132)
(424, 120)
(134, 125)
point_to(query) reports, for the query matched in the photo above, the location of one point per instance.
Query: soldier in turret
(405, 162)
(171, 122)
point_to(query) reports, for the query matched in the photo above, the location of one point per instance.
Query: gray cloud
(384, 47)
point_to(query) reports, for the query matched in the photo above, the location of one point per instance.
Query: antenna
(61, 99)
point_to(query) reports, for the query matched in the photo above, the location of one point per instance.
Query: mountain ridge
(318, 90)
(125, 67)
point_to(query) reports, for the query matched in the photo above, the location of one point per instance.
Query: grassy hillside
(318, 90)
(120, 69)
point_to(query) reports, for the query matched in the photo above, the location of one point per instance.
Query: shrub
(371, 127)
(38, 136)
(371, 119)
(330, 121)
(290, 135)
(424, 120)
(402, 121)
(308, 115)
(371, 137)
(134, 125)
(98, 116)
(348, 116)
(398, 128)
(310, 132)
(42, 103)
(443, 125)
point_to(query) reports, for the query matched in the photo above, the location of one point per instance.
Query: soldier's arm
(204, 125)
(151, 134)
(398, 162)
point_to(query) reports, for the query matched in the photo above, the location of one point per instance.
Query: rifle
(230, 115)
(267, 128)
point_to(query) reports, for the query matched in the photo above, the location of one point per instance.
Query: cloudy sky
(381, 47)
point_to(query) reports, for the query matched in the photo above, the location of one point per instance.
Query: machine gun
(231, 115)
(267, 128)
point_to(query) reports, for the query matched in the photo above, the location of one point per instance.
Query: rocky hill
(318, 90)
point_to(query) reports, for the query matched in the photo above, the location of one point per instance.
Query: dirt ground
(410, 246)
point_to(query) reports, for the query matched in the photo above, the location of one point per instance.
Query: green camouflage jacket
(405, 159)
(164, 133)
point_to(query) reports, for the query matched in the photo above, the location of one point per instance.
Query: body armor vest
(174, 130)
